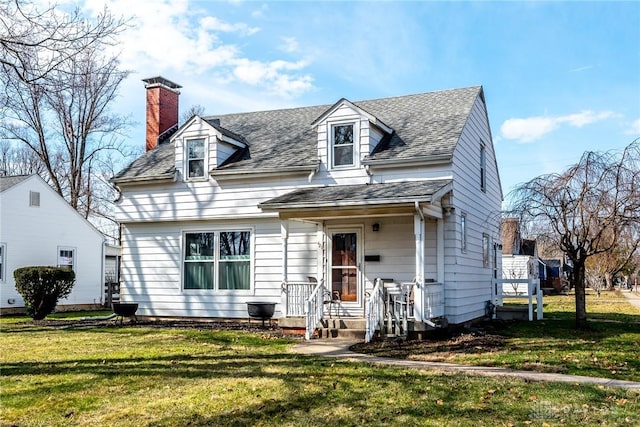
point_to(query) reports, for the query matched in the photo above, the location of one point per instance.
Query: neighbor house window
(485, 250)
(67, 258)
(217, 260)
(342, 145)
(196, 158)
(3, 263)
(463, 232)
(34, 198)
(483, 168)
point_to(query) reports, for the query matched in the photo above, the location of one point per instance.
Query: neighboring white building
(519, 258)
(236, 208)
(38, 227)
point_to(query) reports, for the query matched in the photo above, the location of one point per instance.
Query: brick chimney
(162, 108)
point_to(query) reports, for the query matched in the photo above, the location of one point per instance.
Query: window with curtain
(235, 260)
(195, 158)
(199, 260)
(218, 260)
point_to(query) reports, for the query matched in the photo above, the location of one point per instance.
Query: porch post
(440, 250)
(284, 234)
(418, 230)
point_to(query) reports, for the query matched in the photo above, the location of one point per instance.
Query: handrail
(315, 308)
(374, 310)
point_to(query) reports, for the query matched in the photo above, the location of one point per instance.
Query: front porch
(390, 310)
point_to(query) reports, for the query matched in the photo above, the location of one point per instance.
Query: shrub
(42, 287)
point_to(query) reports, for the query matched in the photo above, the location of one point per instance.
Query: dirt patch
(253, 326)
(438, 348)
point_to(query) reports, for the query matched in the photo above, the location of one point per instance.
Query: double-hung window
(342, 139)
(66, 257)
(195, 158)
(217, 260)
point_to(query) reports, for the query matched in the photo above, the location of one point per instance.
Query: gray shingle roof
(427, 124)
(358, 194)
(7, 182)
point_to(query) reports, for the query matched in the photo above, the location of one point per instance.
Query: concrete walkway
(633, 297)
(339, 349)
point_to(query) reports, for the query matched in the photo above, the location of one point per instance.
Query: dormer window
(342, 145)
(196, 161)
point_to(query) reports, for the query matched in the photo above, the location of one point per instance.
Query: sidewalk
(633, 297)
(339, 349)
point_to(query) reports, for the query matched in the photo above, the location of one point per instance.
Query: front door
(344, 269)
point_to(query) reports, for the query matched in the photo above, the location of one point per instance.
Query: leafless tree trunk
(585, 210)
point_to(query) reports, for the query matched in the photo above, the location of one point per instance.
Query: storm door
(344, 268)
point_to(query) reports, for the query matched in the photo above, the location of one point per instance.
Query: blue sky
(559, 77)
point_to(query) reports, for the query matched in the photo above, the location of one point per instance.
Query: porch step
(510, 312)
(328, 328)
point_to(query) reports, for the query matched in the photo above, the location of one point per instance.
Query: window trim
(216, 285)
(463, 232)
(483, 167)
(205, 158)
(355, 124)
(486, 251)
(74, 261)
(34, 199)
(3, 262)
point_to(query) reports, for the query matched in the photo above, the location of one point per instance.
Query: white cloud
(634, 129)
(180, 40)
(289, 44)
(533, 128)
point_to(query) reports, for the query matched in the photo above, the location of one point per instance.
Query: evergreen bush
(42, 287)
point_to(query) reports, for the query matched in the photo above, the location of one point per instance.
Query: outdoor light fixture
(375, 227)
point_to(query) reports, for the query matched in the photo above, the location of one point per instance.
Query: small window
(66, 258)
(195, 158)
(485, 250)
(3, 263)
(343, 149)
(483, 168)
(34, 198)
(463, 232)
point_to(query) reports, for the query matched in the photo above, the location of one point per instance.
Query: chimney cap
(159, 80)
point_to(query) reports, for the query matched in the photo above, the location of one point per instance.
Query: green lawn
(149, 376)
(610, 349)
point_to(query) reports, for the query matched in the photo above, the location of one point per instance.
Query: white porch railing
(533, 290)
(432, 294)
(315, 308)
(296, 296)
(374, 311)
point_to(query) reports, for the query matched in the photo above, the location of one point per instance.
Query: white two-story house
(236, 208)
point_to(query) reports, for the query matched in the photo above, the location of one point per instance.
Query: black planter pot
(261, 310)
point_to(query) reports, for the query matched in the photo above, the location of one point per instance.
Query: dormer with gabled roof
(202, 145)
(347, 134)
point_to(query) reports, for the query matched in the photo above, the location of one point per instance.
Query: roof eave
(413, 161)
(221, 174)
(344, 203)
(167, 177)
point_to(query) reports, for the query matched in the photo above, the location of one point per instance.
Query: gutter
(413, 161)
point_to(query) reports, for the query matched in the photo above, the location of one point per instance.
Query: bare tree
(194, 110)
(585, 210)
(34, 43)
(57, 103)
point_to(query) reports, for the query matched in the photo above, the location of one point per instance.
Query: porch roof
(360, 196)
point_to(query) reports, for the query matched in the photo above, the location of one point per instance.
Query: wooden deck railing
(296, 296)
(533, 291)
